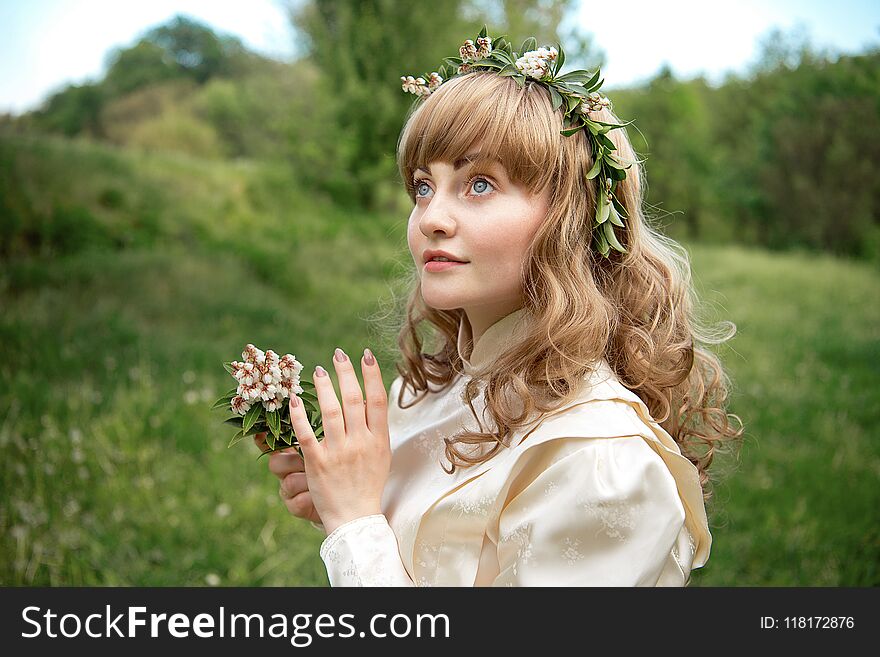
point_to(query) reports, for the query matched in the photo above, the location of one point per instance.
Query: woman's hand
(347, 470)
(288, 466)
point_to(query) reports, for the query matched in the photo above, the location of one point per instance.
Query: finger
(377, 398)
(282, 464)
(302, 506)
(331, 411)
(260, 441)
(293, 484)
(299, 421)
(350, 391)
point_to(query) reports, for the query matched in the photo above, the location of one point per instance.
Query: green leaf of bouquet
(270, 440)
(223, 401)
(594, 171)
(252, 416)
(232, 392)
(484, 32)
(228, 367)
(529, 44)
(486, 61)
(555, 98)
(509, 70)
(274, 422)
(560, 59)
(571, 131)
(608, 230)
(237, 420)
(520, 80)
(455, 61)
(238, 436)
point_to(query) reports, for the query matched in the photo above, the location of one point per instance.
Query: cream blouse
(595, 494)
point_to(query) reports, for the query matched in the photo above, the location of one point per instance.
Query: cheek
(506, 242)
(413, 240)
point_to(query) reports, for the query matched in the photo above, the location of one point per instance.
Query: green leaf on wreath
(611, 237)
(613, 216)
(555, 98)
(621, 210)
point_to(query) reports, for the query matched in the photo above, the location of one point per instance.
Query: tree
(363, 47)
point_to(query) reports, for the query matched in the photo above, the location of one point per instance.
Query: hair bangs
(490, 114)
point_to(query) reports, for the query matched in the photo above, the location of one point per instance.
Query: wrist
(332, 523)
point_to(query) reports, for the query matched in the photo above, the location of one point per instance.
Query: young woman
(560, 429)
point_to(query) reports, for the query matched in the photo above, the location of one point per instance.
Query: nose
(437, 217)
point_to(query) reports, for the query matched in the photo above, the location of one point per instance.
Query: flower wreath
(575, 91)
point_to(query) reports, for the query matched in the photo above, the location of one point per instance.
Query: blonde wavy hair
(637, 310)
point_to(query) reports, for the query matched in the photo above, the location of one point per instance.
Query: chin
(441, 300)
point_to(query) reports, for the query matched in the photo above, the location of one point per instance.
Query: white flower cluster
(470, 52)
(418, 86)
(264, 377)
(536, 63)
(593, 103)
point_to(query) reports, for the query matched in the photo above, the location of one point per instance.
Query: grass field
(115, 471)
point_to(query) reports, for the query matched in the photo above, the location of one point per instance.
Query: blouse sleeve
(606, 514)
(364, 552)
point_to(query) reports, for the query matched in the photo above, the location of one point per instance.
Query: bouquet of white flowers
(265, 381)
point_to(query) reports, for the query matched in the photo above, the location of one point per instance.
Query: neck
(482, 317)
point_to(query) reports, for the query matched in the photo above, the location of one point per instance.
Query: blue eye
(476, 180)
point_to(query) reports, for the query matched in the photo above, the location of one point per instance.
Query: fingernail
(368, 357)
(320, 371)
(340, 355)
(294, 401)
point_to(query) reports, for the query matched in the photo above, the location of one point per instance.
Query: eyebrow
(459, 163)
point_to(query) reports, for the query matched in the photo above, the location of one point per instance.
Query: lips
(430, 254)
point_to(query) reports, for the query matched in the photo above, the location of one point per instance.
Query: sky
(47, 44)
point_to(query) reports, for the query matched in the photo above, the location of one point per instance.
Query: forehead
(470, 158)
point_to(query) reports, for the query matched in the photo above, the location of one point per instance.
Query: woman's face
(479, 217)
